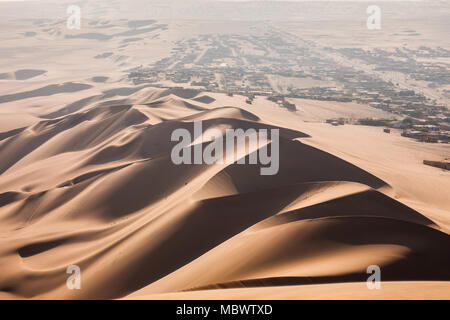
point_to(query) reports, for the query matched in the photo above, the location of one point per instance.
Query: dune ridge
(97, 188)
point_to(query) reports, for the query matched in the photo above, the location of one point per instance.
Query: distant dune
(96, 188)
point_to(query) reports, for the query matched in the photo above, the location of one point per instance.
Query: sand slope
(97, 188)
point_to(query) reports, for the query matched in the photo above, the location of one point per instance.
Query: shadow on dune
(26, 74)
(301, 163)
(427, 251)
(205, 99)
(45, 91)
(71, 108)
(7, 134)
(136, 30)
(80, 104)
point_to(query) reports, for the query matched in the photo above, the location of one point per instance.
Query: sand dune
(94, 186)
(45, 91)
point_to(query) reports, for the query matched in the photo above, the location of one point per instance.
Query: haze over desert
(343, 194)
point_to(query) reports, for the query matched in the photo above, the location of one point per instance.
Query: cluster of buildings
(423, 130)
(415, 62)
(282, 102)
(262, 65)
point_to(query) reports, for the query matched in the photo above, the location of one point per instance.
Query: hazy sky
(210, 9)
